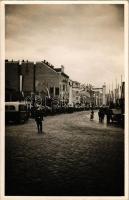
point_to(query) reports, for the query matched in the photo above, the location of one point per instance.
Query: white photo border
(2, 103)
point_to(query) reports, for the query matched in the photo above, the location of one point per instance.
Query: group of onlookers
(38, 113)
(102, 113)
(105, 112)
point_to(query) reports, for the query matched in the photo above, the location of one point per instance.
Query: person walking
(92, 115)
(39, 118)
(109, 115)
(101, 114)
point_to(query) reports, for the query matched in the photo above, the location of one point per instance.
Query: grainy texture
(74, 156)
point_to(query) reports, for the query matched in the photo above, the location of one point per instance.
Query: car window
(7, 108)
(22, 108)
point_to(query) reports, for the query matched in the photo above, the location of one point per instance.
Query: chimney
(62, 68)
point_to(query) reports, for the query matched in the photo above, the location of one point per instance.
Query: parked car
(16, 112)
(116, 115)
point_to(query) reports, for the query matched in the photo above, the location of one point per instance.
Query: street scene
(64, 100)
(73, 156)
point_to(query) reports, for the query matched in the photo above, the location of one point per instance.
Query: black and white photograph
(65, 119)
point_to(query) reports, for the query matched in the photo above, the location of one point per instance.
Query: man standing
(101, 114)
(39, 118)
(109, 115)
(92, 115)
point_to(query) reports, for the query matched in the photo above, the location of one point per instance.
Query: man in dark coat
(39, 118)
(109, 115)
(92, 115)
(101, 114)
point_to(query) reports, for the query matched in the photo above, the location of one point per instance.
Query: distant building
(70, 93)
(76, 88)
(25, 78)
(63, 86)
(99, 96)
(85, 96)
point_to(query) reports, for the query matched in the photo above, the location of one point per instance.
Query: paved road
(75, 156)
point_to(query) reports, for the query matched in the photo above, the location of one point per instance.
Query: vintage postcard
(64, 100)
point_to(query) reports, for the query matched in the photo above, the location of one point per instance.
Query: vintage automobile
(16, 112)
(116, 115)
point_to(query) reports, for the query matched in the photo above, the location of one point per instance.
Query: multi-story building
(63, 86)
(19, 79)
(28, 77)
(99, 96)
(84, 96)
(76, 88)
(78, 94)
(12, 80)
(39, 78)
(70, 93)
(51, 82)
(46, 80)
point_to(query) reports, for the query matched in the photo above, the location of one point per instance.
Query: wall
(27, 71)
(45, 78)
(64, 89)
(12, 71)
(39, 78)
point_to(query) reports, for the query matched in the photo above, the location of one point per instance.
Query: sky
(88, 40)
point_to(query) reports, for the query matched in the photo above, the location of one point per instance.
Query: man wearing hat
(39, 117)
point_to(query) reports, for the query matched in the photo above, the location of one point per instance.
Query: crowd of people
(102, 113)
(111, 115)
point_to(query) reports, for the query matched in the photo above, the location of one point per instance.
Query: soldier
(39, 118)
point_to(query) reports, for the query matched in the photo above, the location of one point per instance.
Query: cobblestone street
(74, 156)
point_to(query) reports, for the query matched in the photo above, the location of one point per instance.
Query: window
(63, 87)
(51, 90)
(22, 108)
(9, 108)
(57, 91)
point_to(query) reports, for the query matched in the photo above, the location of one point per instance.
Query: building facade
(46, 80)
(40, 78)
(76, 88)
(63, 86)
(12, 80)
(27, 77)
